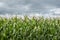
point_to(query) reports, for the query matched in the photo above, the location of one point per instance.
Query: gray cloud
(27, 6)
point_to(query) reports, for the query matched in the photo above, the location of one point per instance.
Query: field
(29, 29)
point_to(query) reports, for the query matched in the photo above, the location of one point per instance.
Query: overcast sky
(29, 6)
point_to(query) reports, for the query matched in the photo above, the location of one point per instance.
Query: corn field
(29, 29)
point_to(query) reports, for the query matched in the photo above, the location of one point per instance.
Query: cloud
(2, 4)
(55, 11)
(28, 6)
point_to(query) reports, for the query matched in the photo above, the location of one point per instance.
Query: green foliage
(29, 29)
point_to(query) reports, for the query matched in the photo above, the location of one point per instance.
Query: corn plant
(29, 29)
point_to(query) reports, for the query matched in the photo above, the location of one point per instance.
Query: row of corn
(29, 29)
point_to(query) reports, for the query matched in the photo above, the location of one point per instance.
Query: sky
(30, 7)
